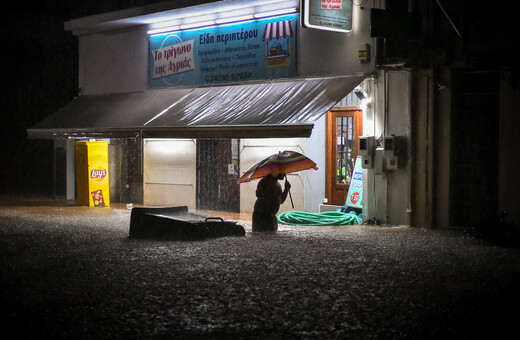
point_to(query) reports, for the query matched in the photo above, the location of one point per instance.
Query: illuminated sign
(329, 15)
(253, 50)
(355, 190)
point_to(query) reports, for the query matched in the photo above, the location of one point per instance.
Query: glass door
(344, 126)
(344, 149)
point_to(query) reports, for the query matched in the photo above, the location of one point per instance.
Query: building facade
(181, 133)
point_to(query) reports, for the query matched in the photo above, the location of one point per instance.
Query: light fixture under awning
(259, 110)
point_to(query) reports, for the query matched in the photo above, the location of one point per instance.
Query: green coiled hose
(323, 218)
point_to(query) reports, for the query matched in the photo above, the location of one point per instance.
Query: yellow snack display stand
(92, 174)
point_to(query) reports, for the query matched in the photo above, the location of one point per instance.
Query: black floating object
(176, 223)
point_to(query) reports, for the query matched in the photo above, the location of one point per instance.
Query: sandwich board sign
(355, 190)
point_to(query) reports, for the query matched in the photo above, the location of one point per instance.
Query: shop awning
(278, 29)
(260, 110)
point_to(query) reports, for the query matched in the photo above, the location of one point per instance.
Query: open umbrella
(280, 163)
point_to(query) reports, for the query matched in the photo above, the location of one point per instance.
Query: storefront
(186, 94)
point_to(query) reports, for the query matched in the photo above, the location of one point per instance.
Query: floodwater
(72, 272)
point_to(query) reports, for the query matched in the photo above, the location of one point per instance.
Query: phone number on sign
(228, 77)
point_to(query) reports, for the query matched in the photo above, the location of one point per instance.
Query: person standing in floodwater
(269, 198)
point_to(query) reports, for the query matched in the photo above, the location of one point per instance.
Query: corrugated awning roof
(260, 110)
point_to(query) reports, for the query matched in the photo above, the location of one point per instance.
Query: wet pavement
(72, 272)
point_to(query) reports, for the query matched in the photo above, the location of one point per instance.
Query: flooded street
(72, 272)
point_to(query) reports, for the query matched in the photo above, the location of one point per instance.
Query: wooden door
(344, 126)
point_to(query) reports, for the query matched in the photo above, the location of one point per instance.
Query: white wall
(170, 172)
(315, 179)
(399, 181)
(387, 196)
(324, 53)
(113, 62)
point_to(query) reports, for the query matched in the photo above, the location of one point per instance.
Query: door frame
(331, 147)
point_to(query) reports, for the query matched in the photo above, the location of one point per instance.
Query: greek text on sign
(331, 4)
(245, 51)
(173, 59)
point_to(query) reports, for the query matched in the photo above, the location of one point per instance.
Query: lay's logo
(98, 174)
(358, 176)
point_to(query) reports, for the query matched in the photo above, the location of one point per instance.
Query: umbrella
(279, 163)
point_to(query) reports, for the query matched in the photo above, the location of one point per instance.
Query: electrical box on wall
(364, 53)
(395, 152)
(366, 150)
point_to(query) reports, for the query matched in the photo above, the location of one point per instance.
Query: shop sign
(254, 50)
(329, 15)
